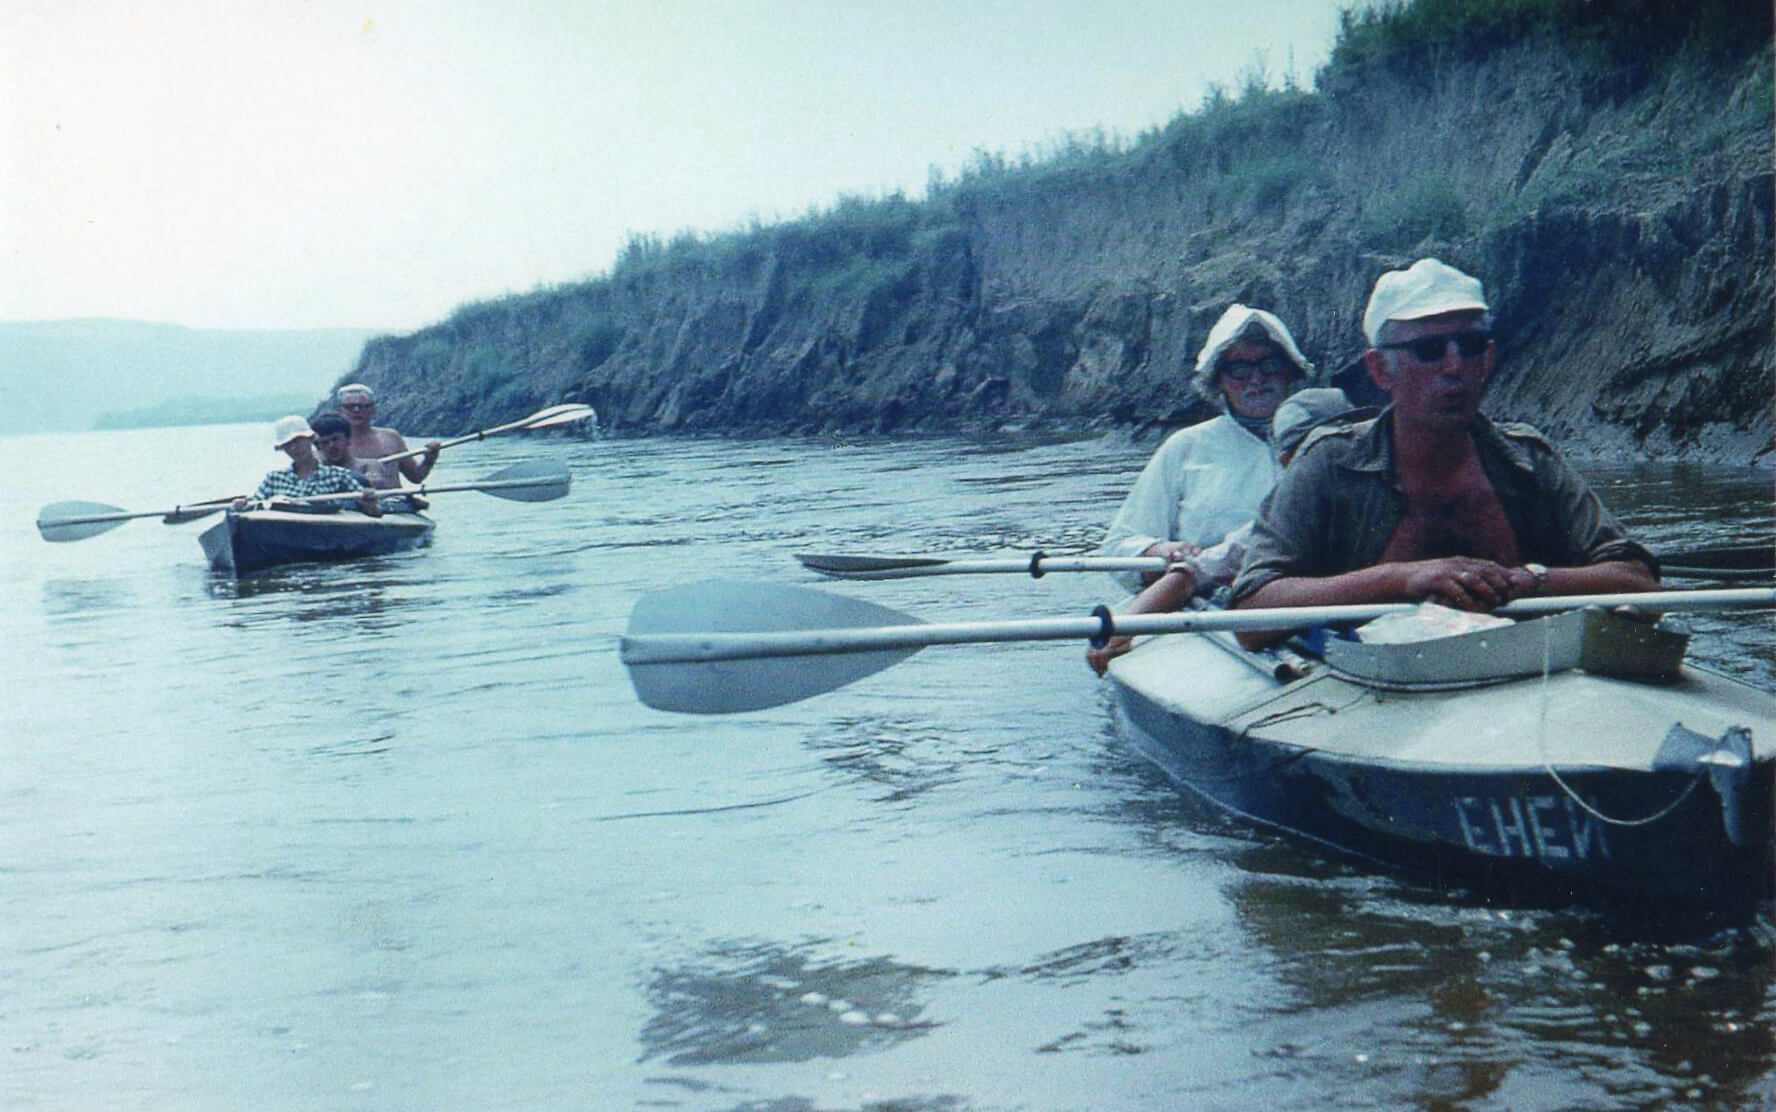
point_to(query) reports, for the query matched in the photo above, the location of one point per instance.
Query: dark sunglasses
(357, 405)
(1430, 349)
(1271, 366)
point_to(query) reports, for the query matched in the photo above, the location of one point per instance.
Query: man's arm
(416, 468)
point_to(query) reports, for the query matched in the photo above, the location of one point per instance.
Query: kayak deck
(1660, 788)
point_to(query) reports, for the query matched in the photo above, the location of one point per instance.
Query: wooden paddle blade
(61, 522)
(1735, 558)
(1716, 575)
(840, 563)
(729, 686)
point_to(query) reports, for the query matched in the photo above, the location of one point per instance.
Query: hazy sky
(308, 163)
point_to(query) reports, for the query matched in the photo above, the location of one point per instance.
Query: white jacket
(1204, 482)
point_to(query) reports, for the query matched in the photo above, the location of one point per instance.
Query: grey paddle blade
(728, 686)
(536, 481)
(76, 521)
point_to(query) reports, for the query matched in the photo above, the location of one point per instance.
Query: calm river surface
(397, 834)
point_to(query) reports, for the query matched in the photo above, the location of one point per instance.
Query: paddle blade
(850, 563)
(729, 686)
(75, 521)
(560, 415)
(1752, 559)
(535, 481)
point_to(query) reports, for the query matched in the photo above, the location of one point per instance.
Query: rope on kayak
(1548, 765)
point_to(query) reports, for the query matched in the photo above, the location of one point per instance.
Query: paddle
(724, 646)
(541, 419)
(1742, 562)
(533, 481)
(76, 521)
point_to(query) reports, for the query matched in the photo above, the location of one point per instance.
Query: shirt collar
(1374, 449)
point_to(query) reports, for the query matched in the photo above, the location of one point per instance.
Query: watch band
(1540, 571)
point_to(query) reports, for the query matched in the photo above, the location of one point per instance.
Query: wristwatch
(1540, 571)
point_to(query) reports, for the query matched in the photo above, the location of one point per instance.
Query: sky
(311, 164)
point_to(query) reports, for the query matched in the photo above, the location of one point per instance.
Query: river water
(397, 835)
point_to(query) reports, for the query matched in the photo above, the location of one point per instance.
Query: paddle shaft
(201, 508)
(542, 418)
(1745, 562)
(665, 648)
(1037, 566)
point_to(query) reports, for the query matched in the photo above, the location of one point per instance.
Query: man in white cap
(1430, 500)
(370, 442)
(1206, 480)
(307, 476)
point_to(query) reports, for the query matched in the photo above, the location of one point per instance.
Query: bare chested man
(370, 443)
(1431, 500)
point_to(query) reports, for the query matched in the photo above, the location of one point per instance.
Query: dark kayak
(253, 540)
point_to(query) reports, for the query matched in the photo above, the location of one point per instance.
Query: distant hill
(63, 376)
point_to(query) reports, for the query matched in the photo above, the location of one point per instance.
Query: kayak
(252, 540)
(1569, 755)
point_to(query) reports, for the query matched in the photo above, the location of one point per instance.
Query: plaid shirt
(326, 480)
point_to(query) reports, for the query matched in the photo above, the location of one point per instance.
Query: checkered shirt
(326, 480)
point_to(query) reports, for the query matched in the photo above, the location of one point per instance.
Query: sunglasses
(1271, 366)
(357, 405)
(1430, 349)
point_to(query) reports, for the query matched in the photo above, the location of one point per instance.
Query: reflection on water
(765, 1003)
(396, 833)
(67, 598)
(1604, 999)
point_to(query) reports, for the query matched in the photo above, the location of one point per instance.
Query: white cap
(1427, 288)
(1234, 325)
(355, 388)
(288, 429)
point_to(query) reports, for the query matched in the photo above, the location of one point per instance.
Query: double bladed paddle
(549, 418)
(521, 482)
(723, 646)
(1750, 563)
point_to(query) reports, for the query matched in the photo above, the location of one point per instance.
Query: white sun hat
(1425, 289)
(1242, 322)
(288, 429)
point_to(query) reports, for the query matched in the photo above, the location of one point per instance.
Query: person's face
(1254, 378)
(357, 410)
(1436, 368)
(335, 449)
(300, 449)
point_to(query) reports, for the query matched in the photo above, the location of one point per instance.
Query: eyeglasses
(1431, 349)
(1271, 366)
(357, 405)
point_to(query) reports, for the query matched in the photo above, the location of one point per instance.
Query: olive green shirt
(1339, 501)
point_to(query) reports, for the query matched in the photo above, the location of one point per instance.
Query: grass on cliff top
(1247, 141)
(1633, 33)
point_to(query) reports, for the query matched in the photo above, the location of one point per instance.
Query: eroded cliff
(1619, 209)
